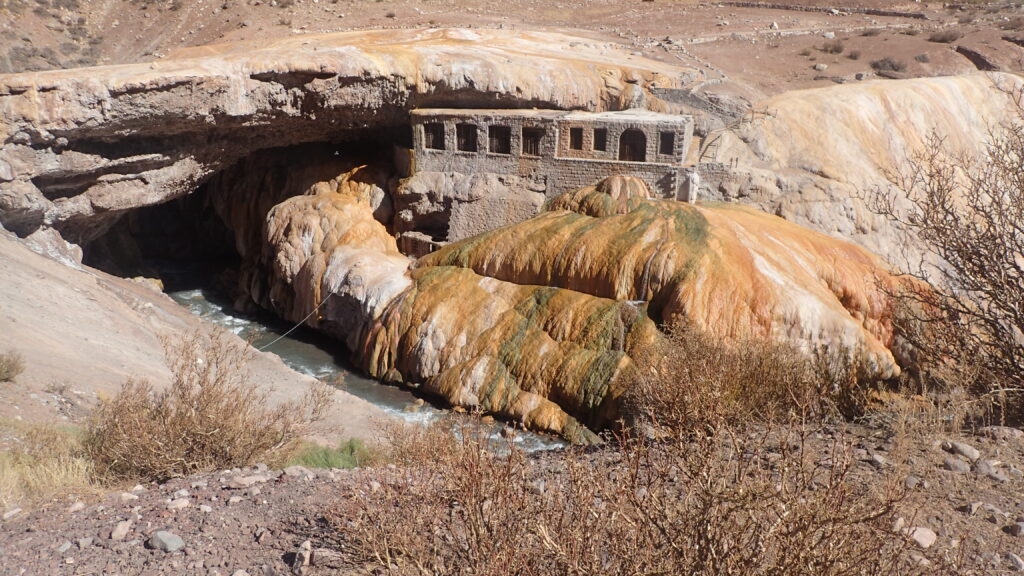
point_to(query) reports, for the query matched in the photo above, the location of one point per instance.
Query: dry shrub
(45, 462)
(209, 418)
(11, 364)
(854, 55)
(691, 381)
(870, 32)
(945, 36)
(833, 47)
(733, 503)
(888, 64)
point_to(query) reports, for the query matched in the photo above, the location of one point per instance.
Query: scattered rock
(64, 547)
(204, 508)
(302, 558)
(121, 530)
(828, 35)
(1015, 529)
(84, 543)
(234, 500)
(181, 493)
(166, 541)
(963, 449)
(298, 472)
(1016, 563)
(922, 536)
(11, 513)
(954, 464)
(178, 504)
(240, 482)
(127, 497)
(1002, 433)
(76, 507)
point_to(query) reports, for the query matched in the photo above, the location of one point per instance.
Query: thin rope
(301, 322)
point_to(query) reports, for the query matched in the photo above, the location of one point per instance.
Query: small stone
(375, 486)
(971, 508)
(239, 573)
(199, 484)
(166, 541)
(234, 500)
(828, 35)
(922, 536)
(84, 543)
(1002, 433)
(912, 482)
(302, 558)
(820, 67)
(325, 556)
(11, 513)
(254, 491)
(878, 461)
(898, 525)
(1016, 563)
(64, 547)
(139, 488)
(954, 464)
(121, 530)
(963, 449)
(204, 508)
(178, 504)
(181, 493)
(247, 481)
(297, 472)
(1015, 529)
(76, 507)
(127, 497)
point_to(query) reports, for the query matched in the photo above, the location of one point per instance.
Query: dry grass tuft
(833, 47)
(11, 365)
(945, 36)
(45, 462)
(211, 417)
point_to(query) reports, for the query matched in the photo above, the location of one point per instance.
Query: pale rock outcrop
(81, 147)
(811, 155)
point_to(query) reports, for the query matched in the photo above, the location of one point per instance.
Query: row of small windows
(499, 138)
(632, 143)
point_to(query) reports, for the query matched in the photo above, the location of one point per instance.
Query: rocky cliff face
(810, 155)
(78, 148)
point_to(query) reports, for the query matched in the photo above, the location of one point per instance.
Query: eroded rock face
(78, 148)
(811, 155)
(730, 270)
(545, 356)
(537, 321)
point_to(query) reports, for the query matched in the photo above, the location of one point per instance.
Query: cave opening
(202, 238)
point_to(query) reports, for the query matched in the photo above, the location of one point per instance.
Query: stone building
(559, 150)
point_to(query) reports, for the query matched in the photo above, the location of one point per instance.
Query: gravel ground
(256, 520)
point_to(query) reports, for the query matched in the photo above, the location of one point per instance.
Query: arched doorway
(633, 146)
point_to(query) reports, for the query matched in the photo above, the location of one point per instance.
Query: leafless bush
(967, 210)
(210, 417)
(693, 381)
(11, 364)
(945, 36)
(735, 503)
(853, 55)
(833, 47)
(871, 32)
(888, 64)
(922, 58)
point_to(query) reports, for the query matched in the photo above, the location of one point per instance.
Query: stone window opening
(465, 134)
(576, 138)
(667, 143)
(433, 136)
(633, 146)
(499, 139)
(600, 139)
(531, 141)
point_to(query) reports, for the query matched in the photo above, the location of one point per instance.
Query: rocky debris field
(962, 492)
